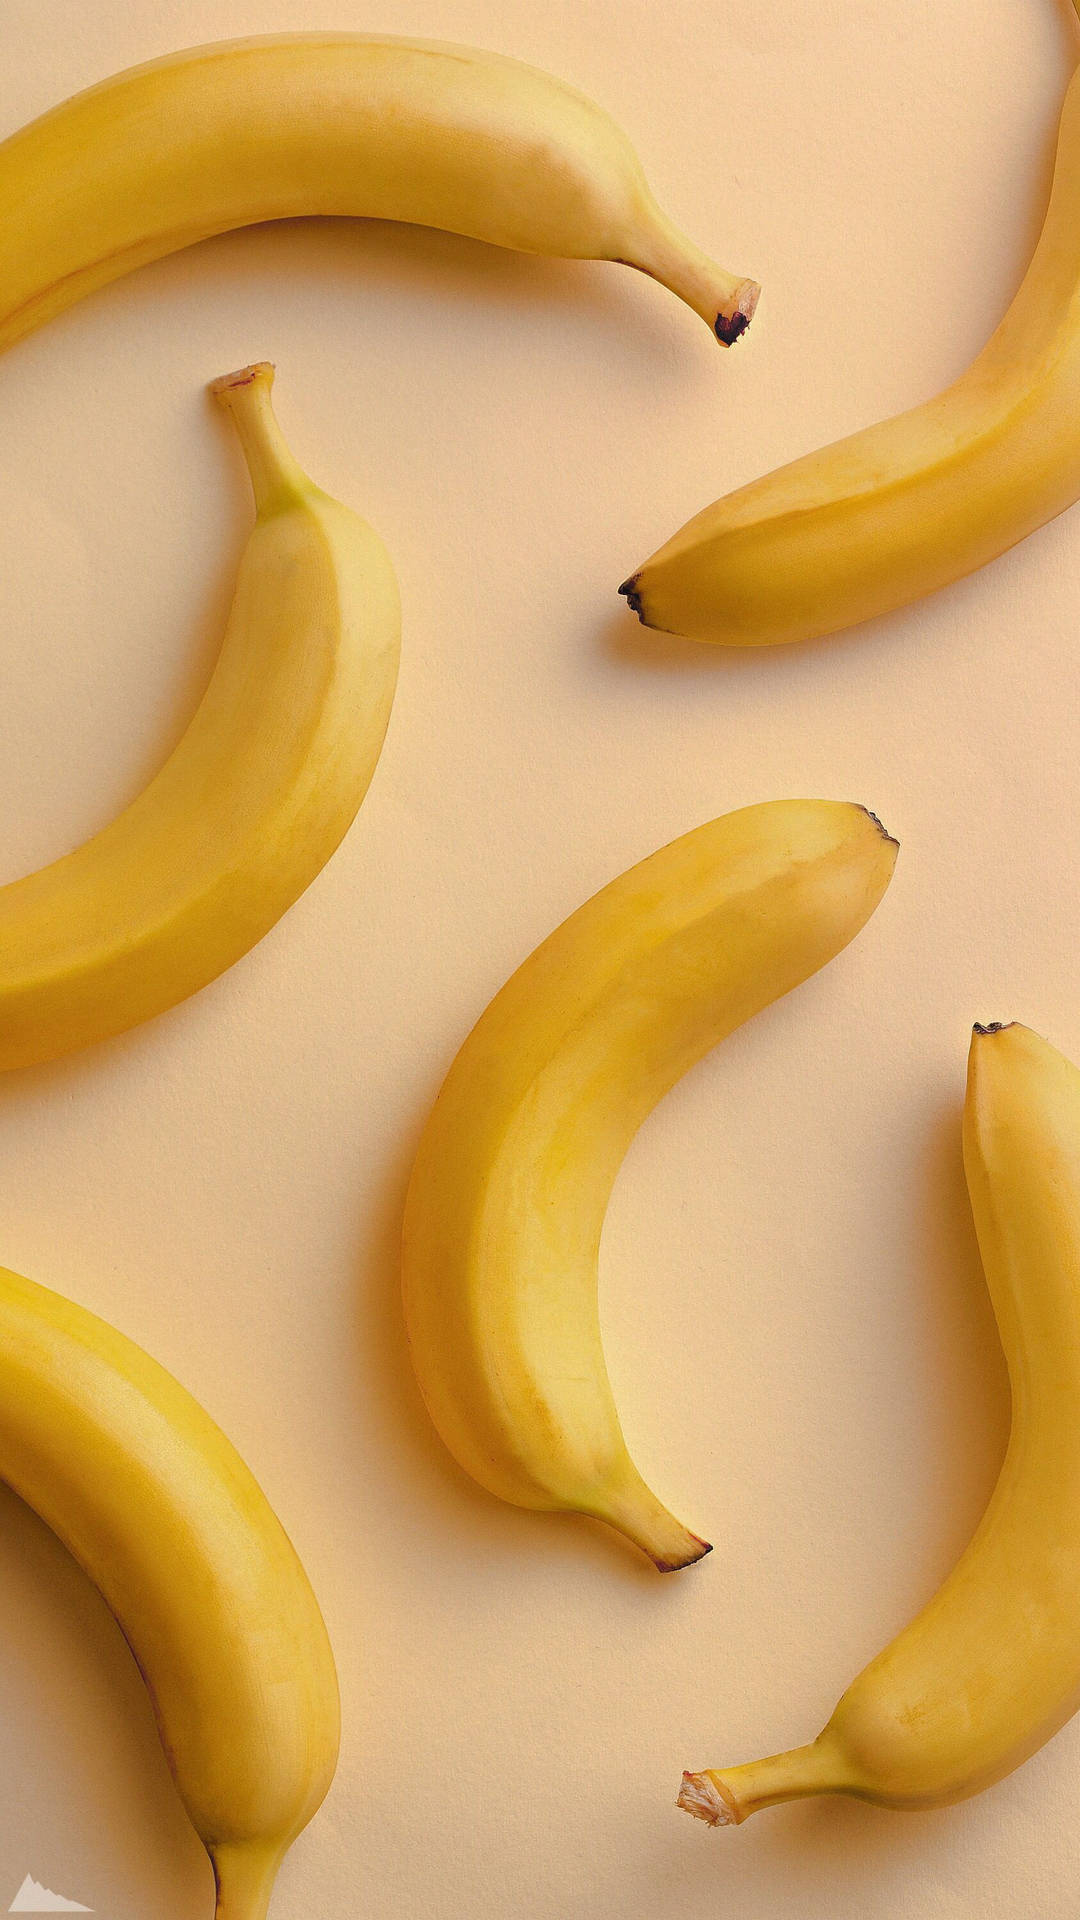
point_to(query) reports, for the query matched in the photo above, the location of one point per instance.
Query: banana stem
(276, 478)
(724, 1798)
(725, 302)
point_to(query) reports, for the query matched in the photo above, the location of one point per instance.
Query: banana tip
(993, 1026)
(698, 1795)
(687, 1558)
(881, 827)
(632, 596)
(733, 321)
(244, 377)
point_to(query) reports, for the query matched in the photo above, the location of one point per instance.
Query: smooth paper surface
(793, 1305)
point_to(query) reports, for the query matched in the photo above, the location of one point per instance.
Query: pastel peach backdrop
(792, 1299)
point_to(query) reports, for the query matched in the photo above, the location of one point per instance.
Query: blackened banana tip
(728, 326)
(629, 590)
(881, 827)
(686, 1560)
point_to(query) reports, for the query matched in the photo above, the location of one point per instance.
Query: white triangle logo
(32, 1898)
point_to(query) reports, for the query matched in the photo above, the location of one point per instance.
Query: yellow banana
(514, 1170)
(904, 507)
(254, 799)
(990, 1668)
(158, 1507)
(329, 123)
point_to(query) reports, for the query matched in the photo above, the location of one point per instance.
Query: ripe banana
(159, 1509)
(254, 799)
(990, 1669)
(902, 508)
(225, 135)
(512, 1178)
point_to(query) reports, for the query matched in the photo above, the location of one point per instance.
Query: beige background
(792, 1299)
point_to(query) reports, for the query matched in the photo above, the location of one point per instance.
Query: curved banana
(254, 799)
(329, 123)
(990, 1668)
(900, 509)
(159, 1509)
(514, 1170)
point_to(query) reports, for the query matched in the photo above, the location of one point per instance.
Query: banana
(254, 799)
(329, 123)
(905, 507)
(990, 1669)
(512, 1178)
(159, 1509)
